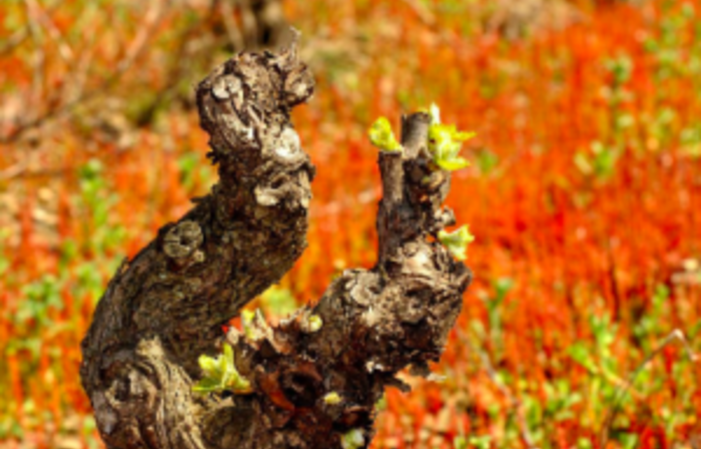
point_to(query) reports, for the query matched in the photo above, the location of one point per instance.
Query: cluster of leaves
(220, 374)
(444, 141)
(457, 241)
(382, 136)
(444, 144)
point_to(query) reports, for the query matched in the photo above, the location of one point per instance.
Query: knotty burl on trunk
(165, 308)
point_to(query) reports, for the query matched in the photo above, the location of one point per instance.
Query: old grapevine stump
(165, 308)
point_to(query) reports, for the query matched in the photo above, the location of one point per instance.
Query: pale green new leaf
(220, 374)
(209, 365)
(452, 164)
(445, 141)
(230, 374)
(381, 135)
(208, 386)
(333, 398)
(315, 323)
(250, 329)
(456, 242)
(255, 328)
(353, 439)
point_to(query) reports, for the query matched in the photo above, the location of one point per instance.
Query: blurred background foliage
(584, 194)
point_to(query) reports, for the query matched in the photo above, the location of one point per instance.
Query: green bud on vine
(382, 137)
(255, 328)
(353, 439)
(332, 398)
(456, 242)
(445, 141)
(220, 374)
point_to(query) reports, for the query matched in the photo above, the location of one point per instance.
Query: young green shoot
(220, 374)
(456, 242)
(353, 439)
(445, 141)
(315, 323)
(382, 137)
(332, 398)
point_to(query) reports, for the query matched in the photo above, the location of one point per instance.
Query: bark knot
(182, 242)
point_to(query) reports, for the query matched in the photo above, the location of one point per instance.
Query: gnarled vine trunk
(165, 308)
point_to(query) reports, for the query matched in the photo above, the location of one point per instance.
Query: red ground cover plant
(584, 195)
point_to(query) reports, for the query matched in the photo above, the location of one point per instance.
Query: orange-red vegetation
(584, 195)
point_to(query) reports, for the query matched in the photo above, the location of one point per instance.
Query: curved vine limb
(311, 382)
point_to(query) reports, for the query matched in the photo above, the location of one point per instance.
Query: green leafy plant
(479, 442)
(600, 163)
(220, 374)
(333, 398)
(95, 201)
(381, 135)
(353, 439)
(314, 323)
(456, 242)
(445, 141)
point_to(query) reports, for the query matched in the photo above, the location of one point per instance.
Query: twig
(153, 17)
(64, 50)
(676, 334)
(39, 56)
(19, 36)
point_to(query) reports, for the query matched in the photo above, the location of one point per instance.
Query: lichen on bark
(317, 375)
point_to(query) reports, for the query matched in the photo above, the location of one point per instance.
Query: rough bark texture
(166, 307)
